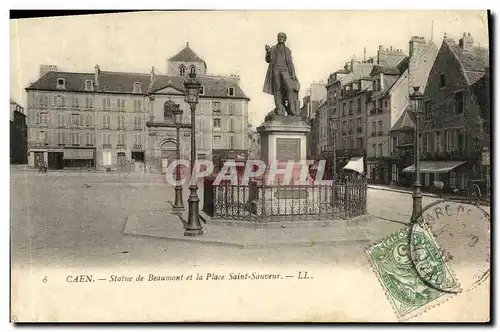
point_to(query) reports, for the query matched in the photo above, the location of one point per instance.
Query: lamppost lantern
(178, 202)
(417, 97)
(193, 225)
(192, 86)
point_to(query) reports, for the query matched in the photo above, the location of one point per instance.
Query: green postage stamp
(395, 261)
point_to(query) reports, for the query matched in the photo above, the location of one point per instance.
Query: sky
(231, 42)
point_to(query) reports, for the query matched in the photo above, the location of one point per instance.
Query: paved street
(76, 219)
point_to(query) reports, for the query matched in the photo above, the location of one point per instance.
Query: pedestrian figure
(439, 185)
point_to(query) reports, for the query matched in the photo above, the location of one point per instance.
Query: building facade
(124, 121)
(392, 85)
(18, 134)
(455, 120)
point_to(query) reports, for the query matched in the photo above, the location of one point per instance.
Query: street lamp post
(178, 202)
(193, 225)
(416, 215)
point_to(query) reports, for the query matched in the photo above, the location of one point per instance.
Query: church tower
(185, 62)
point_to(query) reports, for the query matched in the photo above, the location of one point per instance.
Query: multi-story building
(454, 126)
(315, 96)
(18, 134)
(392, 86)
(124, 121)
(347, 91)
(322, 128)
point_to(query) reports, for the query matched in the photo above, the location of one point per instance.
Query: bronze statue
(281, 81)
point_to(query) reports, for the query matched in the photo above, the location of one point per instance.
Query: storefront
(451, 173)
(79, 158)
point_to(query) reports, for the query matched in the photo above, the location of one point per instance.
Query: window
(61, 101)
(380, 150)
(350, 108)
(442, 80)
(75, 138)
(60, 120)
(344, 109)
(88, 85)
(121, 121)
(137, 122)
(75, 101)
(231, 142)
(380, 127)
(428, 145)
(137, 105)
(437, 141)
(43, 118)
(182, 70)
(216, 107)
(120, 104)
(231, 124)
(395, 174)
(121, 139)
(75, 119)
(137, 87)
(358, 122)
(427, 179)
(230, 91)
(459, 102)
(106, 121)
(60, 138)
(89, 139)
(460, 140)
(374, 127)
(106, 139)
(89, 102)
(374, 150)
(192, 70)
(428, 110)
(88, 120)
(106, 103)
(359, 105)
(61, 83)
(53, 101)
(394, 145)
(216, 141)
(217, 123)
(230, 108)
(137, 140)
(202, 90)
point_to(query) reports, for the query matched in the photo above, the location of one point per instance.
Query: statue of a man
(281, 81)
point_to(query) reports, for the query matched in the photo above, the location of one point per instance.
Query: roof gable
(473, 62)
(187, 55)
(169, 90)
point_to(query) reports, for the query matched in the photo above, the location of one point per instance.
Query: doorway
(121, 162)
(168, 153)
(55, 160)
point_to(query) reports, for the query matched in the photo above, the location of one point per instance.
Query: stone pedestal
(283, 139)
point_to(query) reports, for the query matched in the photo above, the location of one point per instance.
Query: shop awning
(435, 166)
(78, 154)
(355, 164)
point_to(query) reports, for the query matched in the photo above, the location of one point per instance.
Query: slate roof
(121, 82)
(377, 69)
(187, 55)
(215, 86)
(473, 61)
(406, 121)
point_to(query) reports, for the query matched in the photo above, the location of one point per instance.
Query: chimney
(417, 45)
(466, 42)
(96, 75)
(44, 69)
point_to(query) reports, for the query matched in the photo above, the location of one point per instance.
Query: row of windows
(452, 140)
(85, 102)
(458, 109)
(84, 138)
(352, 143)
(89, 85)
(42, 118)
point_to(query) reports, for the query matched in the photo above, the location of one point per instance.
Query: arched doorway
(168, 153)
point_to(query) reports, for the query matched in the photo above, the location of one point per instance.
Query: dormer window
(61, 83)
(192, 70)
(230, 91)
(88, 85)
(202, 90)
(137, 87)
(182, 70)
